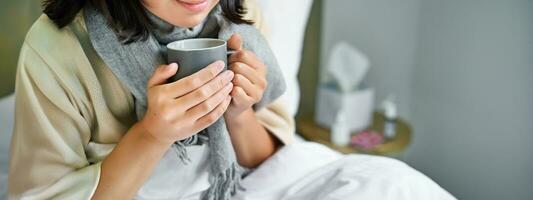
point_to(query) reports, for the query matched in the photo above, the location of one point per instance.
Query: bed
(303, 170)
(307, 171)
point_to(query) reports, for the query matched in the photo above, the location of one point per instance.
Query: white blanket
(308, 171)
(312, 171)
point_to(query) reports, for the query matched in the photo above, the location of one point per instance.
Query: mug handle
(230, 52)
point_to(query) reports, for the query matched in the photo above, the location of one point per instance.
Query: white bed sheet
(308, 171)
(6, 127)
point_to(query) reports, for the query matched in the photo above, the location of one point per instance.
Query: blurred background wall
(463, 74)
(473, 97)
(16, 18)
(384, 30)
(311, 59)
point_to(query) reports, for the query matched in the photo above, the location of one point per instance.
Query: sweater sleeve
(47, 158)
(277, 120)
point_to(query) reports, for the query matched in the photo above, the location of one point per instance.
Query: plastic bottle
(391, 117)
(340, 132)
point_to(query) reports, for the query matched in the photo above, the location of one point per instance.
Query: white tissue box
(357, 106)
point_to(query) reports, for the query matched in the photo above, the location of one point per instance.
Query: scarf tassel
(181, 151)
(225, 184)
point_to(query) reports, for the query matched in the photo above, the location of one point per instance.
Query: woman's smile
(194, 5)
(181, 13)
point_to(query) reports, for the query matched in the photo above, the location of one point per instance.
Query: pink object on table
(367, 139)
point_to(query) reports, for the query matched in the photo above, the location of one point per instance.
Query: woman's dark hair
(127, 17)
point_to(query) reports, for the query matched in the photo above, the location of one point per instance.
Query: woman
(80, 129)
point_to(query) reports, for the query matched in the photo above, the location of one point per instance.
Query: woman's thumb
(162, 73)
(235, 42)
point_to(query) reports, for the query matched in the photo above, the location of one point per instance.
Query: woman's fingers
(250, 73)
(210, 103)
(249, 58)
(239, 96)
(193, 82)
(235, 42)
(161, 74)
(249, 88)
(213, 116)
(206, 91)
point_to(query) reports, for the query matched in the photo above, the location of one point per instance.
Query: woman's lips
(194, 6)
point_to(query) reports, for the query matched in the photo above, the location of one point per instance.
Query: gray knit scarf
(134, 63)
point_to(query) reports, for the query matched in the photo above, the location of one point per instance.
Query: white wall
(386, 31)
(464, 72)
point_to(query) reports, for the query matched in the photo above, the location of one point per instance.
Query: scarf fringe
(225, 184)
(181, 151)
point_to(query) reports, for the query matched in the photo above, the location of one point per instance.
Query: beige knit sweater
(70, 115)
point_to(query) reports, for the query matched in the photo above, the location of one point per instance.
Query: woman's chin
(188, 17)
(189, 23)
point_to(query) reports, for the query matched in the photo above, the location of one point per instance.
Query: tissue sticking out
(347, 67)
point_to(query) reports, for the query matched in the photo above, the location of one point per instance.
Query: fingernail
(229, 75)
(220, 65)
(172, 66)
(228, 87)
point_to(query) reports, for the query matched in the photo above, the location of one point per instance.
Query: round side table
(394, 147)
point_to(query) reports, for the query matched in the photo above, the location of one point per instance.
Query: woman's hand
(251, 141)
(181, 109)
(175, 111)
(249, 82)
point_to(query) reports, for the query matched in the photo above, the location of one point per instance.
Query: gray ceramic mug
(192, 55)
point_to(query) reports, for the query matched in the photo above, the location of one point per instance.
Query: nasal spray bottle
(391, 117)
